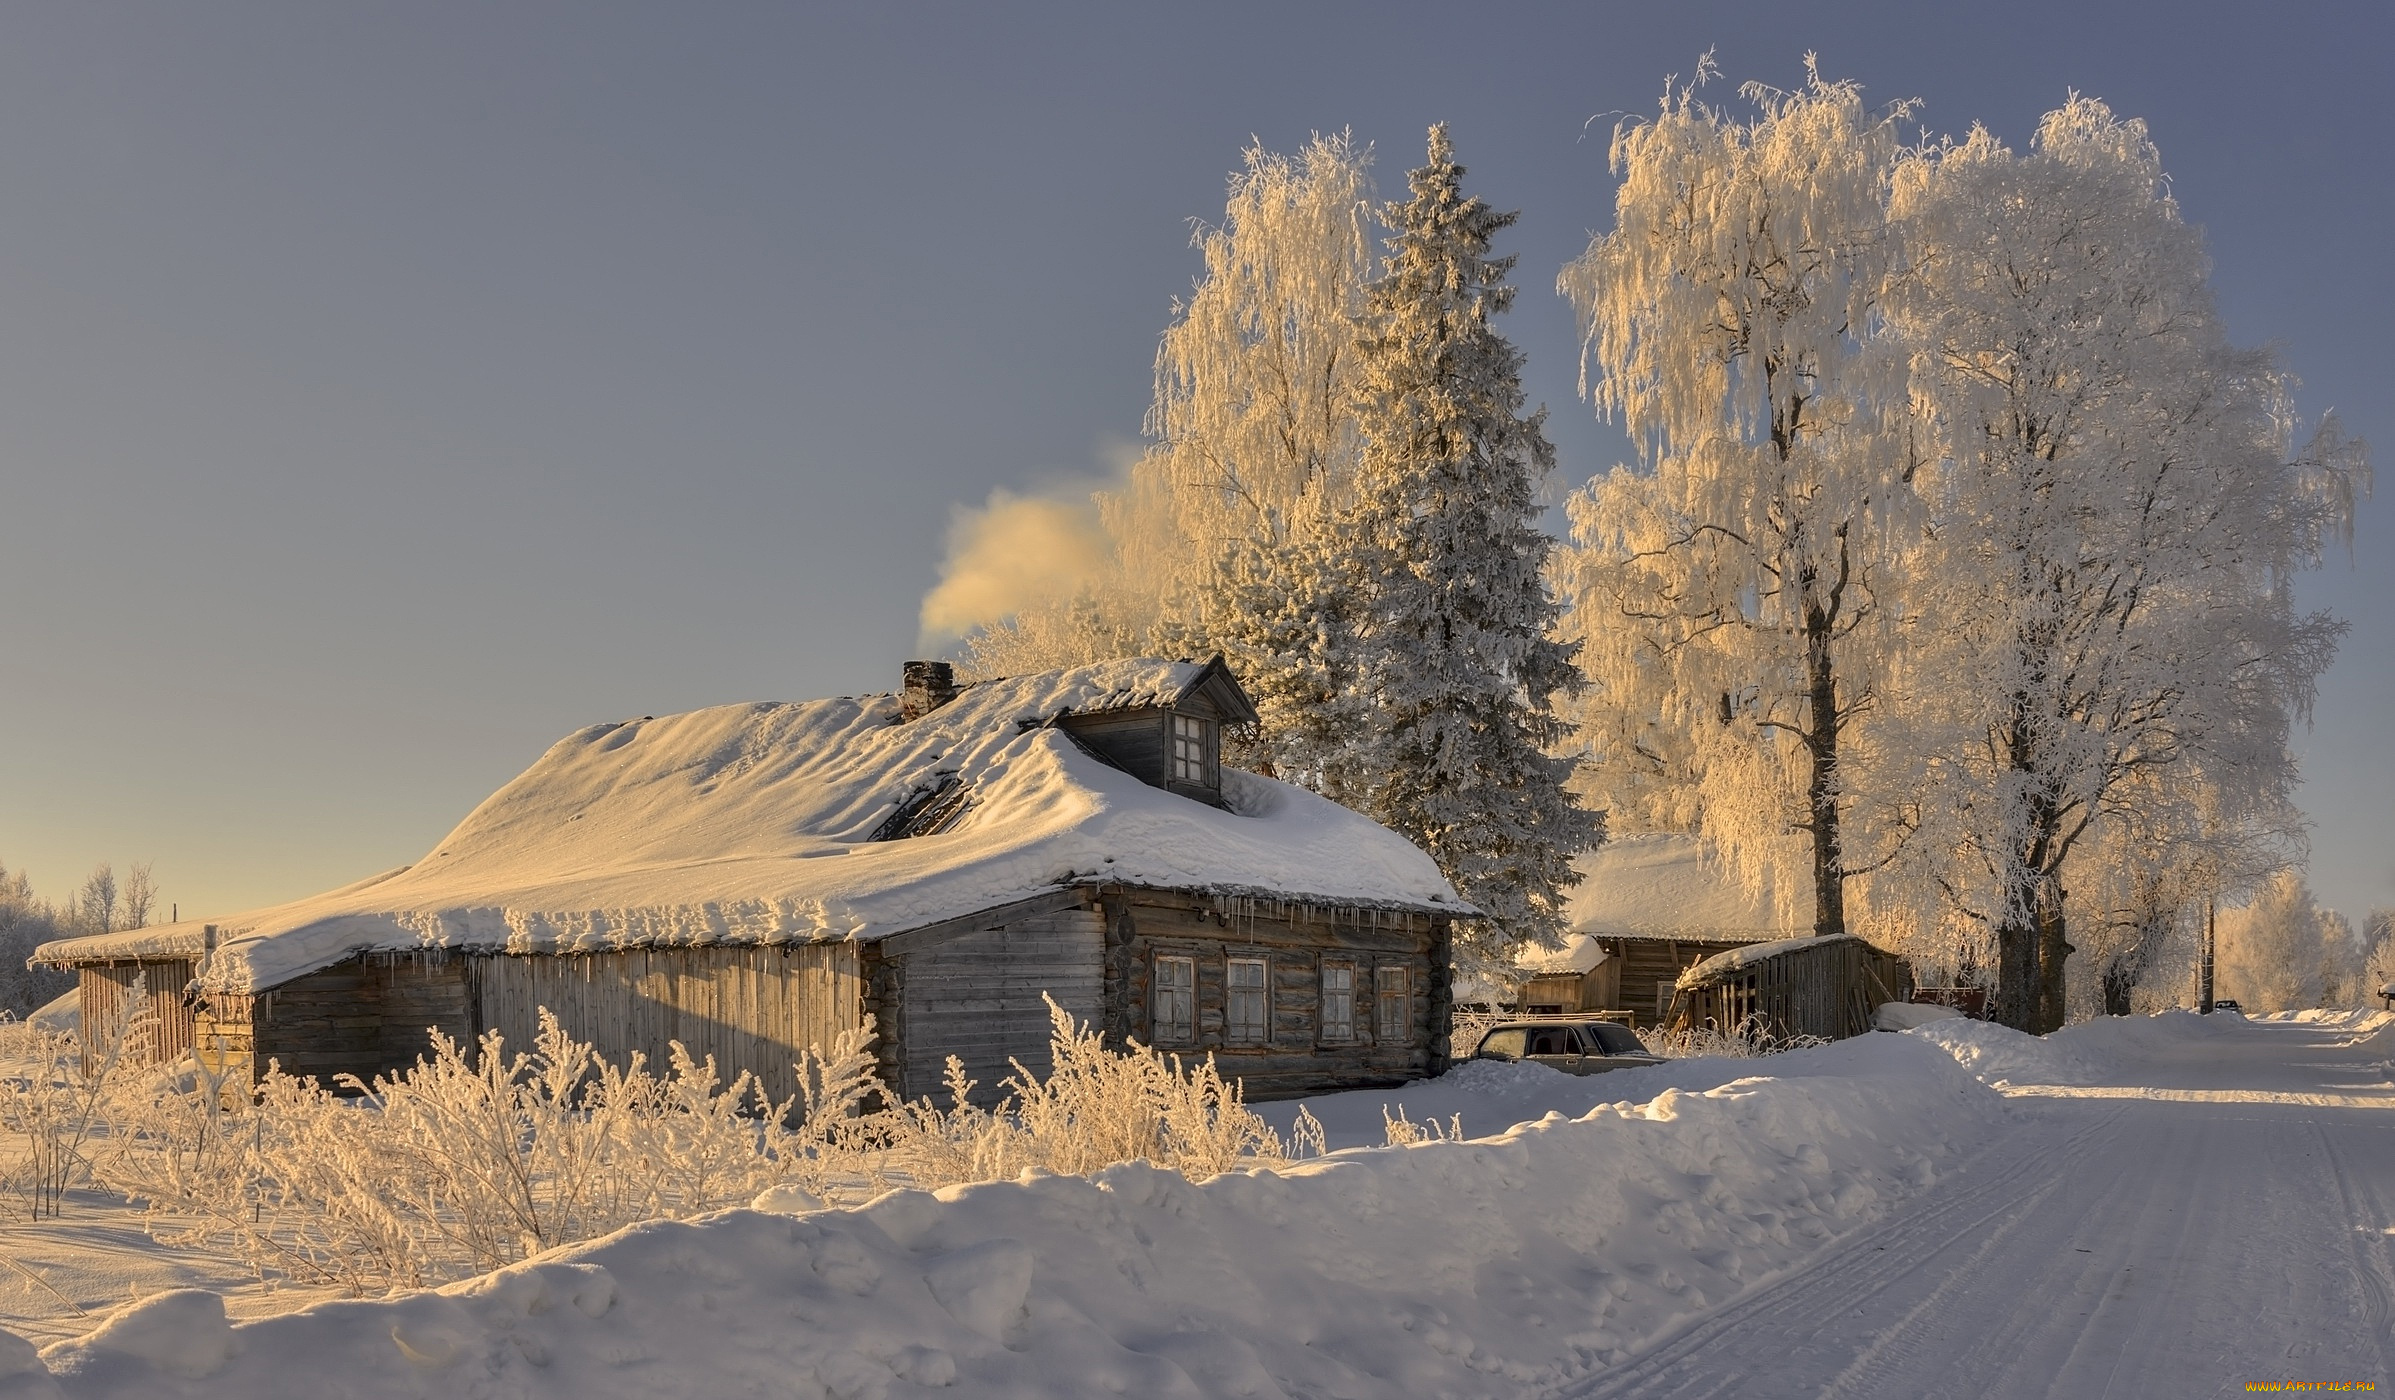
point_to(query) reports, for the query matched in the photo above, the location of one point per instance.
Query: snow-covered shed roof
(1668, 886)
(751, 824)
(1721, 965)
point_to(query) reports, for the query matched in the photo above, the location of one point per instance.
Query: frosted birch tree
(1733, 593)
(1252, 417)
(2118, 511)
(1426, 590)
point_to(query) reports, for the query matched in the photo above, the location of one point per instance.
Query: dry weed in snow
(478, 1158)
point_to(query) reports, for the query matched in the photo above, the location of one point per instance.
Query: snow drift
(1471, 1268)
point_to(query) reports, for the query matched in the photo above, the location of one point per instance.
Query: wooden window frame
(1200, 765)
(1161, 1030)
(1342, 1030)
(1393, 987)
(1233, 1036)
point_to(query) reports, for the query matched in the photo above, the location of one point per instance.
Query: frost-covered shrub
(1096, 1107)
(472, 1160)
(1746, 1040)
(58, 1102)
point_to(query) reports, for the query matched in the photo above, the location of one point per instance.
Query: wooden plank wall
(752, 1007)
(1828, 990)
(1132, 740)
(108, 992)
(365, 1016)
(1648, 968)
(1143, 925)
(978, 997)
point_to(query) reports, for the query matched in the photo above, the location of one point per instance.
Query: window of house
(1338, 1001)
(1393, 1019)
(1193, 751)
(1172, 1009)
(1244, 1002)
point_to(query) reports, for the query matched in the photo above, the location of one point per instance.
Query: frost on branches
(1418, 612)
(1732, 593)
(2118, 510)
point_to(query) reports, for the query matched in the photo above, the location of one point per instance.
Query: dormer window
(1196, 756)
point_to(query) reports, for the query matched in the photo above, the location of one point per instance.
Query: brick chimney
(929, 685)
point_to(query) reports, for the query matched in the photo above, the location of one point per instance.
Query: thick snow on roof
(751, 823)
(1668, 887)
(1579, 954)
(1720, 965)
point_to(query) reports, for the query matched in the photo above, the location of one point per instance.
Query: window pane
(1393, 1019)
(1338, 1002)
(1174, 997)
(1504, 1043)
(1244, 1007)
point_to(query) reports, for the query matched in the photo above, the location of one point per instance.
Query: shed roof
(750, 824)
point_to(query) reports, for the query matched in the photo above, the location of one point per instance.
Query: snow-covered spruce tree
(1426, 589)
(1252, 416)
(2117, 513)
(1734, 595)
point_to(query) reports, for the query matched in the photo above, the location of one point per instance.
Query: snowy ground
(2169, 1206)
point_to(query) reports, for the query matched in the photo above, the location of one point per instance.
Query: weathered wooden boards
(974, 987)
(1825, 988)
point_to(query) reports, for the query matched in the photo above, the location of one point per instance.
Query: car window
(1554, 1041)
(1617, 1040)
(1506, 1042)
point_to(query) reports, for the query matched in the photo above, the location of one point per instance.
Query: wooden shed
(754, 880)
(1647, 909)
(1824, 987)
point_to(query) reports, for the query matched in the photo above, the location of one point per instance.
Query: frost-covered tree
(2378, 967)
(1734, 591)
(2117, 512)
(1424, 591)
(1253, 416)
(2283, 952)
(26, 922)
(96, 905)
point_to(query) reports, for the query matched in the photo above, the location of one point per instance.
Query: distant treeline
(104, 905)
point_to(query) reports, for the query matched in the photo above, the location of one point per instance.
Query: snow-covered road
(2216, 1211)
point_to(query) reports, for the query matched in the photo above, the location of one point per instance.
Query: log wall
(1294, 941)
(368, 1015)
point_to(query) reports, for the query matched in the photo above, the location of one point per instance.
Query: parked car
(1575, 1047)
(2225, 1004)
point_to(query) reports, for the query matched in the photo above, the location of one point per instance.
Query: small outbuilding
(1826, 987)
(751, 880)
(1647, 908)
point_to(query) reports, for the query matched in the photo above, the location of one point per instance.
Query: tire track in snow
(2115, 1245)
(1986, 1197)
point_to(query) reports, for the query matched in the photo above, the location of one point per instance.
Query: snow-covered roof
(750, 824)
(1720, 965)
(1668, 886)
(1579, 954)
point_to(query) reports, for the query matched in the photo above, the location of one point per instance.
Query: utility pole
(2204, 990)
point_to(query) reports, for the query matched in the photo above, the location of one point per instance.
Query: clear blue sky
(387, 390)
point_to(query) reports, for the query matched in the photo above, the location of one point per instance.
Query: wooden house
(1826, 987)
(751, 880)
(1647, 908)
